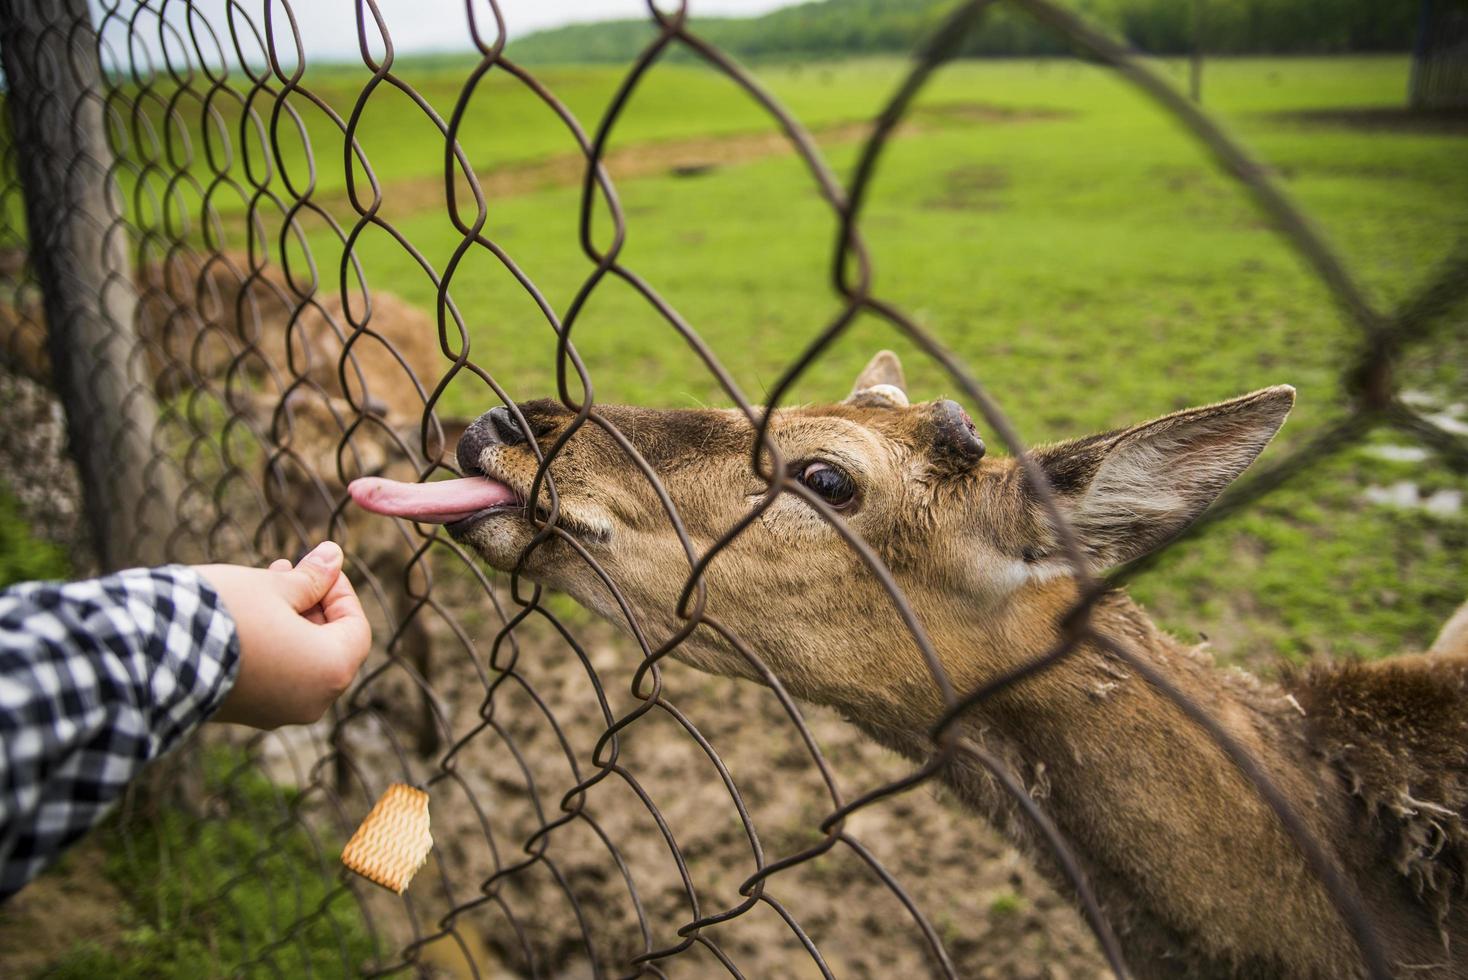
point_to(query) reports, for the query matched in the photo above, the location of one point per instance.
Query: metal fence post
(79, 250)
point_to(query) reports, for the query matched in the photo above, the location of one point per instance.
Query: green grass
(1103, 232)
(23, 556)
(504, 122)
(1083, 255)
(1091, 266)
(215, 895)
(1005, 904)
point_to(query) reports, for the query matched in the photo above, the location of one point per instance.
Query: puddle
(1407, 495)
(1449, 420)
(1399, 454)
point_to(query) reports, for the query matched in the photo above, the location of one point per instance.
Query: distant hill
(838, 28)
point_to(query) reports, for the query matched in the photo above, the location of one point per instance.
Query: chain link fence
(181, 213)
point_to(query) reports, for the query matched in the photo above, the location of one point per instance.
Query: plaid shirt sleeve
(98, 678)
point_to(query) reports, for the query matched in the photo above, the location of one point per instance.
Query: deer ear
(1128, 492)
(880, 384)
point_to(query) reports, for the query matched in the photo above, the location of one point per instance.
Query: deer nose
(502, 420)
(496, 427)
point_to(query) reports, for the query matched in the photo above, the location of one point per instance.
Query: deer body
(196, 322)
(1192, 867)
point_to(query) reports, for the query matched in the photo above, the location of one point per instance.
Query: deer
(199, 321)
(1195, 873)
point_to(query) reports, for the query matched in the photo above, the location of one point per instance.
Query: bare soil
(561, 898)
(71, 904)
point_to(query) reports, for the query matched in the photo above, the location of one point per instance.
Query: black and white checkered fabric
(98, 678)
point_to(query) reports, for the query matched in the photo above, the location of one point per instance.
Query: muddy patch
(1448, 417)
(70, 906)
(1399, 454)
(977, 188)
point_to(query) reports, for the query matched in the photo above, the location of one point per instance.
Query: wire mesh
(277, 374)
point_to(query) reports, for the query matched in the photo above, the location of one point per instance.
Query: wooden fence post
(78, 246)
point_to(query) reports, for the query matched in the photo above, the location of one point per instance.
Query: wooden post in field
(1195, 85)
(79, 250)
(1439, 78)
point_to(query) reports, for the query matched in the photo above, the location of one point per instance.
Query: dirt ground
(70, 904)
(987, 907)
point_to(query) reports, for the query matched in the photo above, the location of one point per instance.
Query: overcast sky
(328, 27)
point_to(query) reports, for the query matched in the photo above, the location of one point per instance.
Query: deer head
(963, 532)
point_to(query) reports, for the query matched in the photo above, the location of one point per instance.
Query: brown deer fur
(1193, 869)
(195, 321)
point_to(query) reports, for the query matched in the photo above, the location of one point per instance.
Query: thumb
(307, 584)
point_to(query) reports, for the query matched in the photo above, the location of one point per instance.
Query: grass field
(1050, 226)
(1060, 234)
(1056, 231)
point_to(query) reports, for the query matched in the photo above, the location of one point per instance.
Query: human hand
(302, 636)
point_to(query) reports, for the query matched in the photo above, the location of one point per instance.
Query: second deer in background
(277, 362)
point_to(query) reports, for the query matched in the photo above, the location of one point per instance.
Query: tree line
(832, 28)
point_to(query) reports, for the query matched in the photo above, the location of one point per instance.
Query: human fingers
(346, 622)
(314, 614)
(305, 585)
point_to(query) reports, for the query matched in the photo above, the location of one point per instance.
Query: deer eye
(831, 484)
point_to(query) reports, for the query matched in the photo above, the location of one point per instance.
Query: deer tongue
(430, 503)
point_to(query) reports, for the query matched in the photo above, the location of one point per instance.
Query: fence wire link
(270, 372)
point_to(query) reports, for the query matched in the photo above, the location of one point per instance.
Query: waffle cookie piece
(393, 841)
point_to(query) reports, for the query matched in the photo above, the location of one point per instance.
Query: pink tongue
(432, 503)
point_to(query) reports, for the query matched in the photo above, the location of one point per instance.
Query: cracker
(393, 841)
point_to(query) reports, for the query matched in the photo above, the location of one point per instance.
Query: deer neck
(1186, 857)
